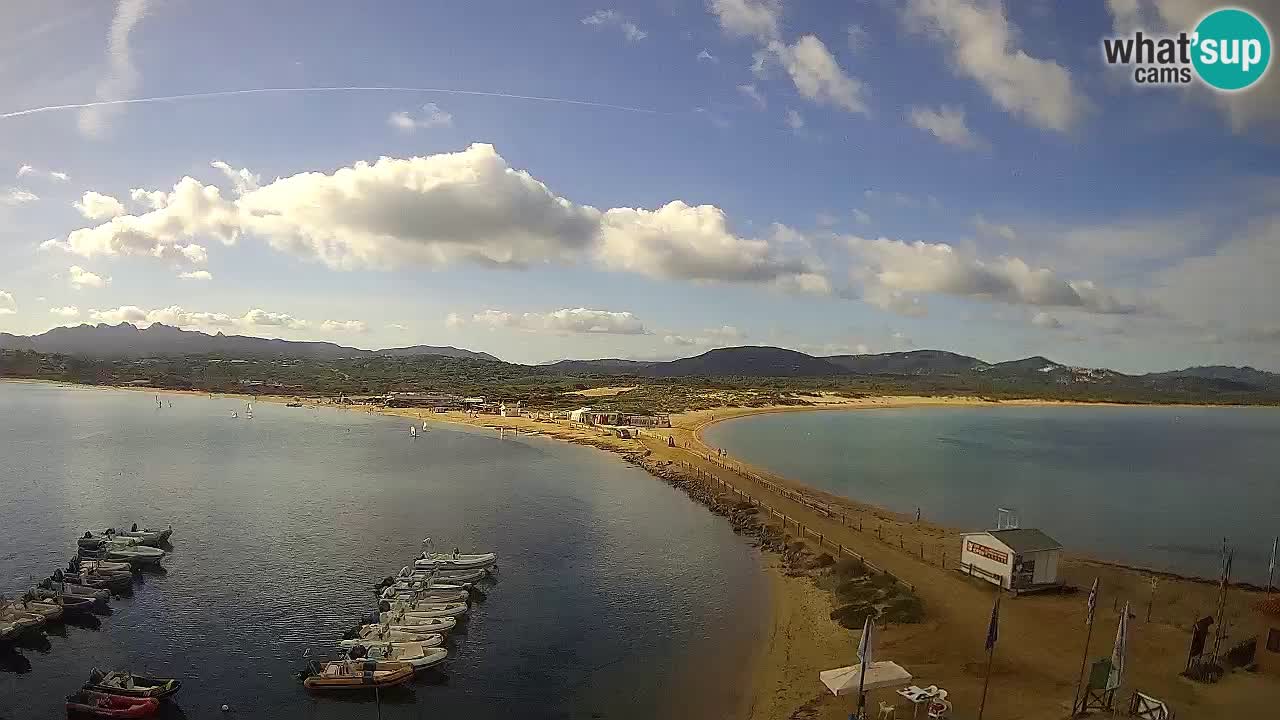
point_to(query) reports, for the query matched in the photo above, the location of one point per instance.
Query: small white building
(1014, 558)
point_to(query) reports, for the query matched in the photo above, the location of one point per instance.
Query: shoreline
(799, 638)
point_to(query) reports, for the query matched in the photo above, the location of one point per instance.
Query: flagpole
(1271, 569)
(992, 635)
(1088, 636)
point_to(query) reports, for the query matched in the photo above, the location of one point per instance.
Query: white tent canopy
(844, 681)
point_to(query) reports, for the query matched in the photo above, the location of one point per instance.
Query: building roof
(1270, 605)
(1025, 540)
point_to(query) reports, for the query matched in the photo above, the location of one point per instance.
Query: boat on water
(19, 620)
(72, 590)
(421, 612)
(96, 704)
(147, 536)
(10, 630)
(455, 560)
(124, 549)
(78, 563)
(404, 633)
(426, 641)
(120, 682)
(97, 579)
(72, 605)
(355, 675)
(417, 655)
(51, 612)
(394, 594)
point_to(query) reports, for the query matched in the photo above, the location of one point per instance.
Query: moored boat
(119, 682)
(78, 563)
(113, 581)
(51, 612)
(399, 633)
(355, 675)
(409, 595)
(70, 604)
(454, 576)
(121, 549)
(422, 612)
(96, 704)
(147, 536)
(417, 655)
(83, 591)
(453, 561)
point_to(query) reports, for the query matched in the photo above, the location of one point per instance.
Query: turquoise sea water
(282, 524)
(1158, 487)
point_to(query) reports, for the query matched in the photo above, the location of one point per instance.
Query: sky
(644, 180)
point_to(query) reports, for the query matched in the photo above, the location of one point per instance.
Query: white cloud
(153, 199)
(751, 91)
(759, 19)
(613, 18)
(121, 78)
(901, 199)
(467, 206)
(947, 124)
(81, 278)
(25, 170)
(1045, 320)
(17, 196)
(242, 180)
(862, 217)
(125, 313)
(574, 321)
(59, 176)
(893, 272)
(680, 241)
(817, 76)
(794, 120)
(397, 326)
(453, 321)
(991, 229)
(67, 311)
(8, 306)
(30, 170)
(1260, 105)
(723, 336)
(96, 206)
(195, 275)
(705, 54)
(177, 316)
(431, 116)
(983, 45)
(261, 318)
(344, 326)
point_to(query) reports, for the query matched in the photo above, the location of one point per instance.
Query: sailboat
(424, 426)
(248, 411)
(158, 403)
(235, 414)
(413, 431)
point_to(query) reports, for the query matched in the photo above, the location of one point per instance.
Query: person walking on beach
(917, 514)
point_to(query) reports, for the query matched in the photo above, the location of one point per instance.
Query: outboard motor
(134, 528)
(358, 652)
(351, 634)
(384, 606)
(57, 575)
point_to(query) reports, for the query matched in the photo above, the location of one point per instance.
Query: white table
(916, 695)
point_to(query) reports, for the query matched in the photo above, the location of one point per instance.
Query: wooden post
(922, 550)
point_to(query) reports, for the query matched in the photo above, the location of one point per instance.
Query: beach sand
(1038, 657)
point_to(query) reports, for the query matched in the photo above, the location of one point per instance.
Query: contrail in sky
(260, 91)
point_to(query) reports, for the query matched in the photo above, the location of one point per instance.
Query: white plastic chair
(887, 712)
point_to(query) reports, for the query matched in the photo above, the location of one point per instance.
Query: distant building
(1016, 559)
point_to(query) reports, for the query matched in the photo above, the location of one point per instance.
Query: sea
(615, 596)
(1158, 487)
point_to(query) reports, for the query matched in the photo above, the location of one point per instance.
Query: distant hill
(915, 362)
(441, 350)
(603, 366)
(1240, 375)
(126, 340)
(751, 361)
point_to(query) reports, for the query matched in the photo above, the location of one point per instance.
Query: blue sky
(827, 176)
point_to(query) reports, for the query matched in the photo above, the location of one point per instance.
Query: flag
(993, 630)
(1093, 600)
(864, 645)
(1271, 569)
(1118, 652)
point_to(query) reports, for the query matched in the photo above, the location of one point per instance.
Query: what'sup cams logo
(1229, 50)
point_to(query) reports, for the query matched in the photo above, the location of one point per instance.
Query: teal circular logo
(1231, 49)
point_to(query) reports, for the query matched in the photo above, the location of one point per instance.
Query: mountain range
(125, 341)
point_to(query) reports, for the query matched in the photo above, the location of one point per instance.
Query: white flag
(1093, 600)
(1118, 652)
(864, 645)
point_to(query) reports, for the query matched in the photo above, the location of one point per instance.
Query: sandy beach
(1038, 658)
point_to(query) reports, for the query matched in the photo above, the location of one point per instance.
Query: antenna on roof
(1006, 518)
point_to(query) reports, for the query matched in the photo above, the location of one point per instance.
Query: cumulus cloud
(751, 91)
(894, 272)
(242, 180)
(96, 206)
(66, 311)
(574, 321)
(17, 196)
(195, 275)
(8, 306)
(344, 326)
(613, 18)
(81, 278)
(947, 124)
(992, 229)
(817, 76)
(1260, 105)
(759, 19)
(430, 116)
(262, 318)
(1045, 320)
(680, 241)
(121, 78)
(983, 45)
(467, 206)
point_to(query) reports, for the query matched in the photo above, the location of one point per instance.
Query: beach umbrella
(1118, 651)
(846, 680)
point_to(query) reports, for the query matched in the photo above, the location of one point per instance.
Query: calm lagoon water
(602, 606)
(1158, 487)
